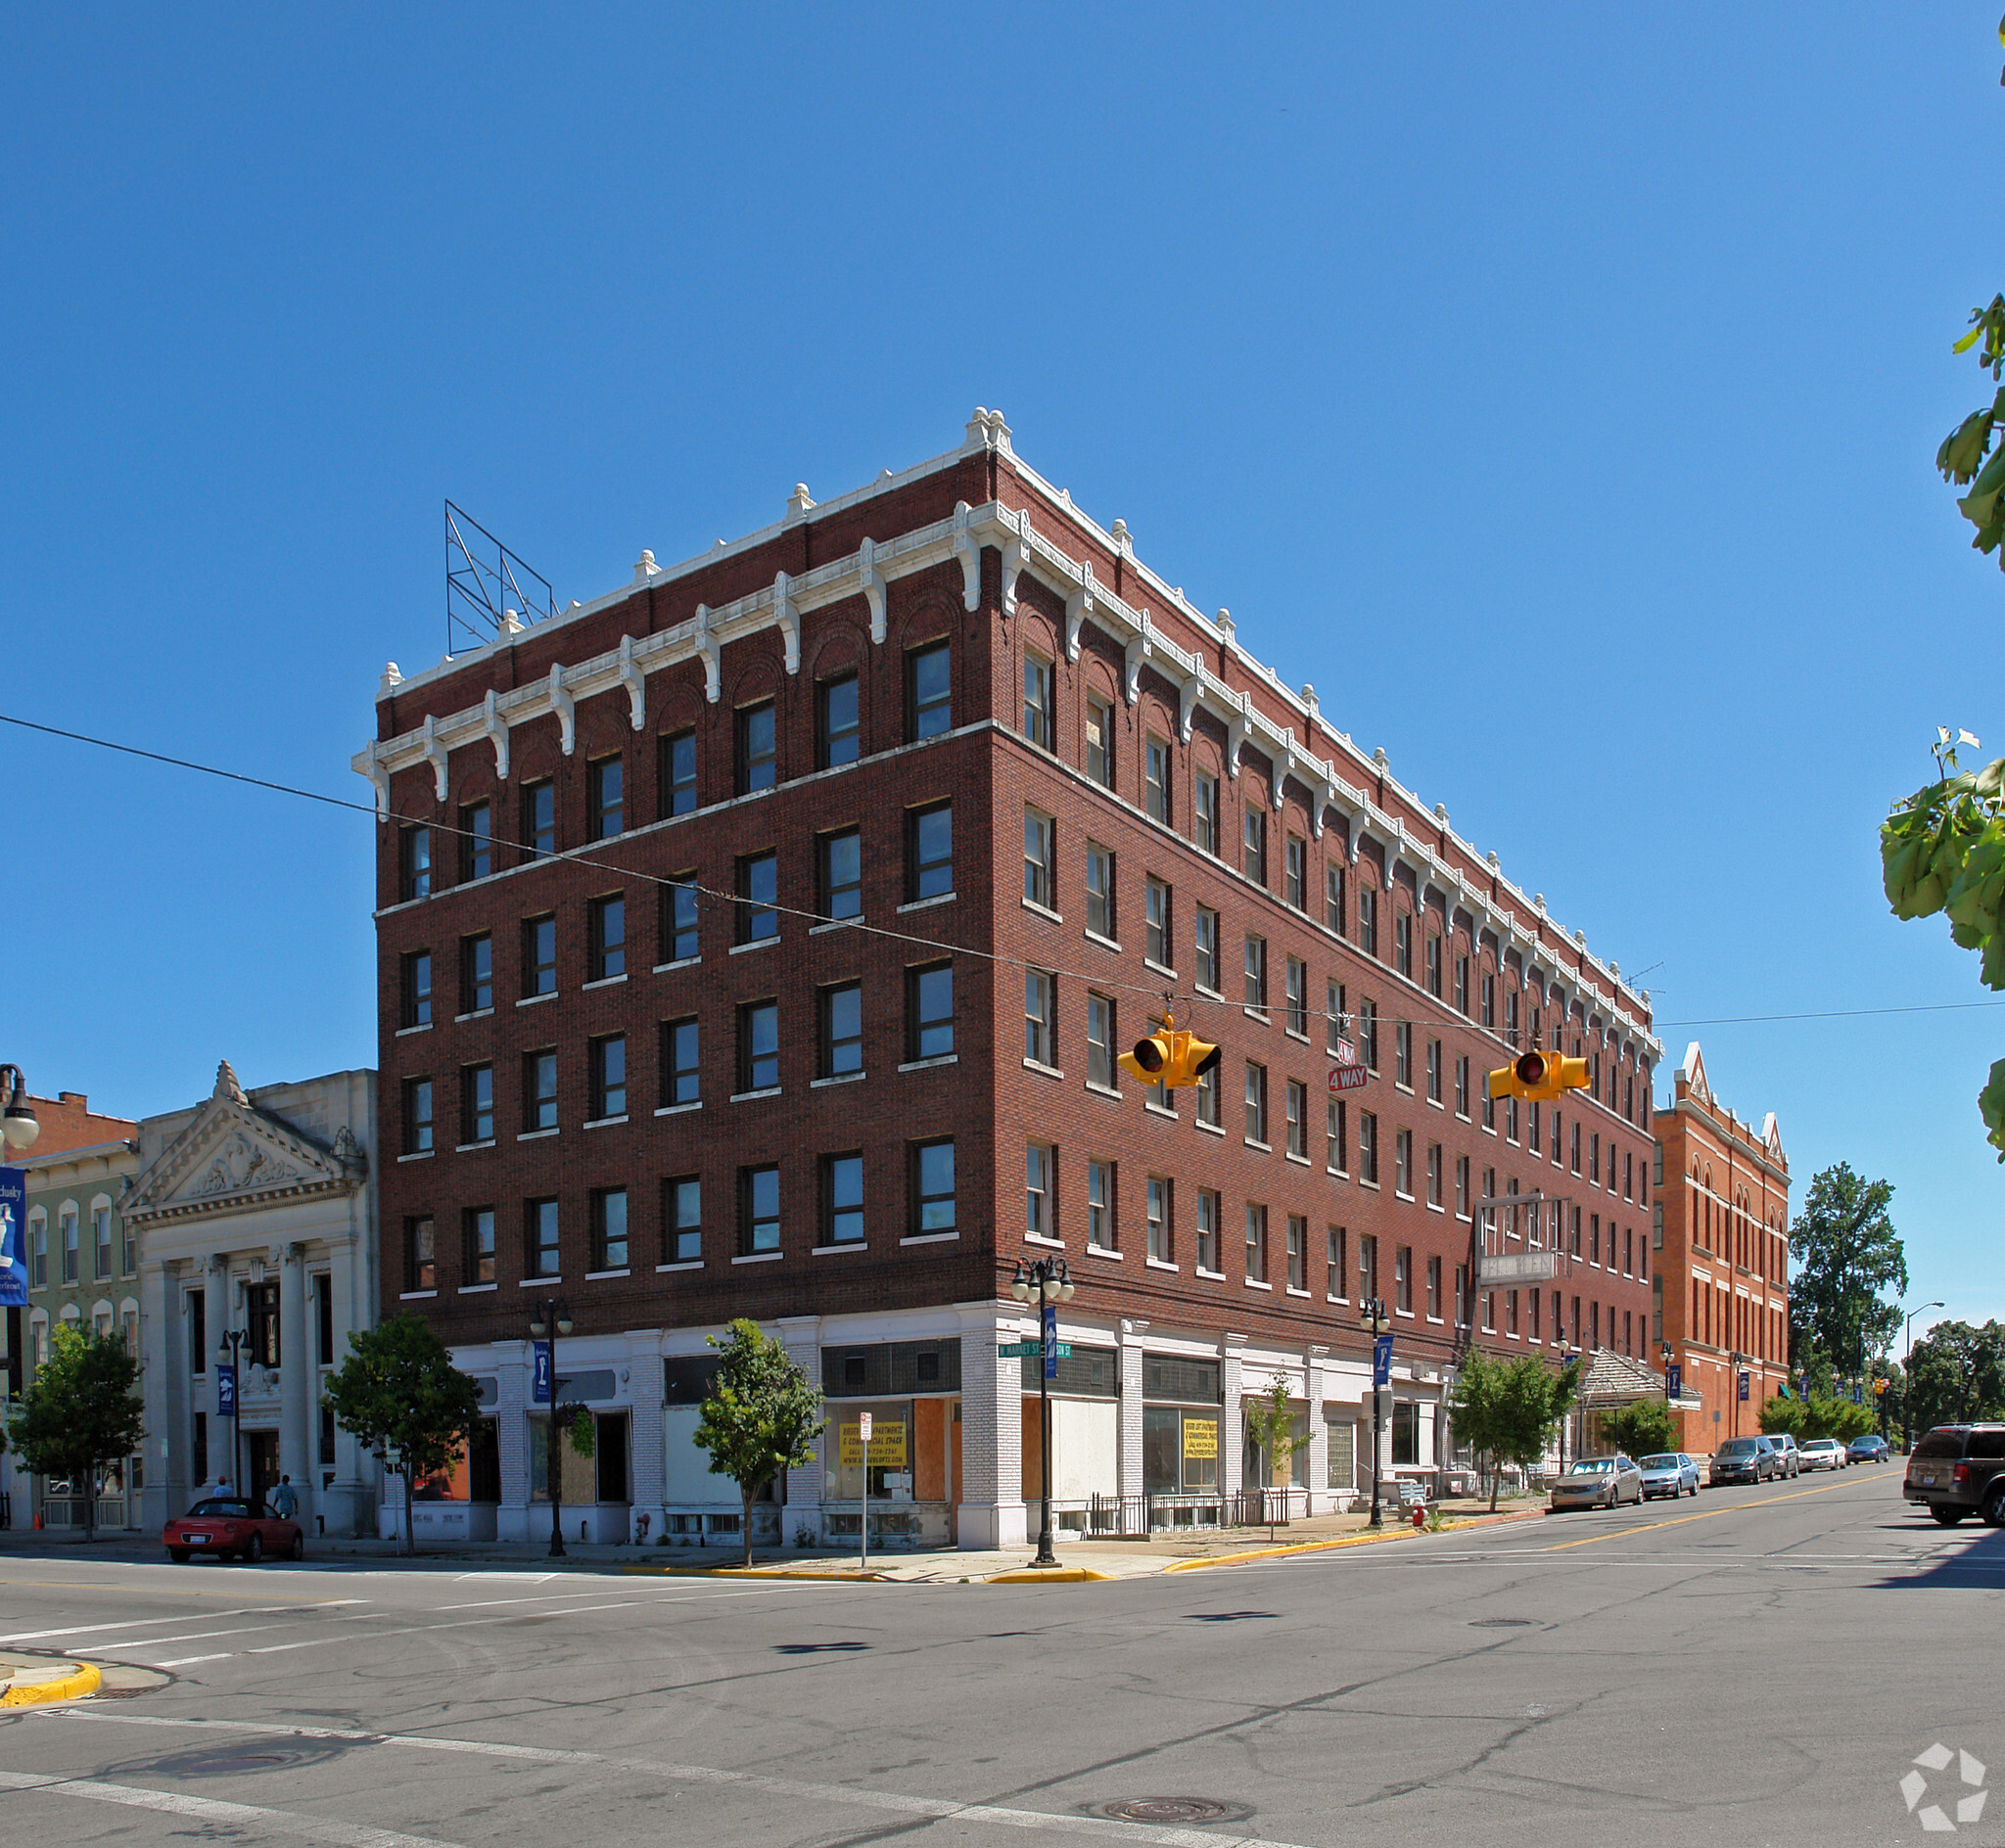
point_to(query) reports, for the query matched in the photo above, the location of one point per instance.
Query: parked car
(233, 1528)
(1867, 1449)
(1823, 1453)
(1598, 1482)
(1959, 1469)
(1743, 1460)
(1789, 1459)
(1670, 1473)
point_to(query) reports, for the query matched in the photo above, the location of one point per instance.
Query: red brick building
(758, 940)
(1722, 1231)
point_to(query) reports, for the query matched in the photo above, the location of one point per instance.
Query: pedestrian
(285, 1498)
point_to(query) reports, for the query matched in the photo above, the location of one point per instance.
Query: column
(349, 1502)
(1313, 1463)
(990, 1512)
(1130, 1476)
(514, 1518)
(646, 1457)
(1231, 1422)
(295, 1377)
(164, 1363)
(800, 1336)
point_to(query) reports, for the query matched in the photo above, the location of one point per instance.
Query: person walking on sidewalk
(285, 1500)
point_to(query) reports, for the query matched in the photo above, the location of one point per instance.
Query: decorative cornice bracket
(1141, 648)
(870, 580)
(565, 706)
(1016, 556)
(789, 620)
(495, 728)
(713, 654)
(1079, 605)
(963, 547)
(434, 754)
(634, 681)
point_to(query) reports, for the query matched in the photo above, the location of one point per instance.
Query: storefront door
(260, 1462)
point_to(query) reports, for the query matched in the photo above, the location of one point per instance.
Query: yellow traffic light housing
(1539, 1077)
(1170, 1058)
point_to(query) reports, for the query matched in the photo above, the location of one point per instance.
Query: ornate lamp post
(229, 1350)
(1379, 1323)
(1049, 1280)
(549, 1319)
(1907, 1382)
(18, 1126)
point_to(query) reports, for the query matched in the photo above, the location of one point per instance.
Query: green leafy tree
(1957, 1374)
(1779, 1415)
(1509, 1409)
(760, 1416)
(1644, 1428)
(79, 1413)
(397, 1389)
(1270, 1423)
(1846, 1252)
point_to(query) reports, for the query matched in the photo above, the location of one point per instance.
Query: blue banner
(1381, 1361)
(13, 1238)
(539, 1373)
(1674, 1381)
(225, 1389)
(1051, 1340)
(1744, 1388)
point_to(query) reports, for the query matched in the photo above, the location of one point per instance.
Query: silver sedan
(1670, 1473)
(1598, 1482)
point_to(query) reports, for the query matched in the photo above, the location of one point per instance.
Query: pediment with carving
(233, 1157)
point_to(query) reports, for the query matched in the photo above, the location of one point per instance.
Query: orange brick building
(1721, 1236)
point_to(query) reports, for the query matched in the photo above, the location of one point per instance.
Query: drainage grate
(1173, 1810)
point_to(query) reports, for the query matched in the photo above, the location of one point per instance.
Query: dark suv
(1959, 1469)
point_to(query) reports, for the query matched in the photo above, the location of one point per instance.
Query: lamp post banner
(1674, 1381)
(225, 1389)
(1051, 1340)
(1744, 1388)
(1381, 1361)
(539, 1373)
(13, 1238)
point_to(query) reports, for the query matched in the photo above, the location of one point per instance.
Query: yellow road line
(1711, 1514)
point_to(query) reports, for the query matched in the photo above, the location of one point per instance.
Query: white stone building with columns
(255, 1214)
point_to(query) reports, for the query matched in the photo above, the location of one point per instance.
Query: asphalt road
(1758, 1665)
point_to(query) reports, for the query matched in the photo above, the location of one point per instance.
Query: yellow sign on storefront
(887, 1445)
(1200, 1438)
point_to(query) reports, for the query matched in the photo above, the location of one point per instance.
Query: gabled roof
(1610, 1378)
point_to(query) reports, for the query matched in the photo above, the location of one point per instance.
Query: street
(1755, 1665)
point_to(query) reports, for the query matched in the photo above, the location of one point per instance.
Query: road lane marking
(192, 1617)
(182, 1661)
(1711, 1514)
(214, 1809)
(155, 1642)
(895, 1802)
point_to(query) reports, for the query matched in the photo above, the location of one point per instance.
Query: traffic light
(1170, 1057)
(1880, 1387)
(1539, 1075)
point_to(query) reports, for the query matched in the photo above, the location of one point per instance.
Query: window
(1367, 1266)
(1403, 1162)
(1204, 810)
(1368, 1033)
(540, 1091)
(929, 1011)
(1367, 919)
(101, 1233)
(758, 1210)
(476, 1103)
(1040, 875)
(1367, 1146)
(1403, 1055)
(1099, 890)
(1100, 741)
(929, 853)
(1206, 941)
(1298, 1253)
(1434, 1071)
(476, 841)
(758, 898)
(933, 1187)
(1462, 1085)
(1402, 944)
(538, 955)
(1573, 1150)
(1207, 1230)
(681, 1077)
(1433, 1289)
(1403, 1278)
(476, 973)
(1298, 1119)
(1159, 1220)
(759, 1047)
(131, 1242)
(841, 1049)
(1462, 1296)
(609, 1229)
(1099, 1205)
(416, 1009)
(261, 1318)
(841, 1199)
(1298, 997)
(840, 736)
(1037, 700)
(1462, 1186)
(1628, 1177)
(1489, 1000)
(840, 874)
(420, 1256)
(608, 1076)
(1256, 1242)
(476, 1224)
(1333, 896)
(1334, 1020)
(757, 748)
(1433, 966)
(1155, 779)
(417, 1128)
(1157, 935)
(1040, 1166)
(1434, 1173)
(1256, 973)
(1334, 1274)
(1039, 1017)
(1208, 1106)
(607, 919)
(1336, 1150)
(1254, 860)
(1256, 1102)
(1100, 1068)
(1593, 1160)
(682, 1220)
(1511, 1119)
(415, 863)
(678, 774)
(539, 818)
(680, 942)
(927, 686)
(606, 792)
(1461, 986)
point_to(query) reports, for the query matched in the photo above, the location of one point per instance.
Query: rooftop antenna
(489, 592)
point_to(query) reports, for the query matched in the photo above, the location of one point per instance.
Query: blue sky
(1557, 391)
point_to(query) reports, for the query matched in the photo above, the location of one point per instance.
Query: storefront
(910, 1467)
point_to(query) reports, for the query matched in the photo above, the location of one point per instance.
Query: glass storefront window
(891, 1455)
(1179, 1449)
(1406, 1432)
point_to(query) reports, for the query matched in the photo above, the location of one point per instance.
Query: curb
(1054, 1575)
(81, 1679)
(753, 1572)
(1366, 1539)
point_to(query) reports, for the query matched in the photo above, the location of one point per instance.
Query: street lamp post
(230, 1351)
(1379, 1323)
(18, 1126)
(1569, 1355)
(1736, 1359)
(549, 1319)
(1049, 1280)
(1907, 1384)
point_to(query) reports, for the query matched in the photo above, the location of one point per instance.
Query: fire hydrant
(1419, 1515)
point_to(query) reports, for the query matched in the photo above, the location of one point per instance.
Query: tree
(80, 1412)
(1846, 1252)
(1509, 1410)
(1779, 1415)
(760, 1416)
(1957, 1374)
(1642, 1428)
(398, 1390)
(1271, 1425)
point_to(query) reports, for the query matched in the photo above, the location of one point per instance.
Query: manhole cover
(1173, 1810)
(1500, 1622)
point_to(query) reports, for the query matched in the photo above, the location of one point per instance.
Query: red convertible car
(232, 1528)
